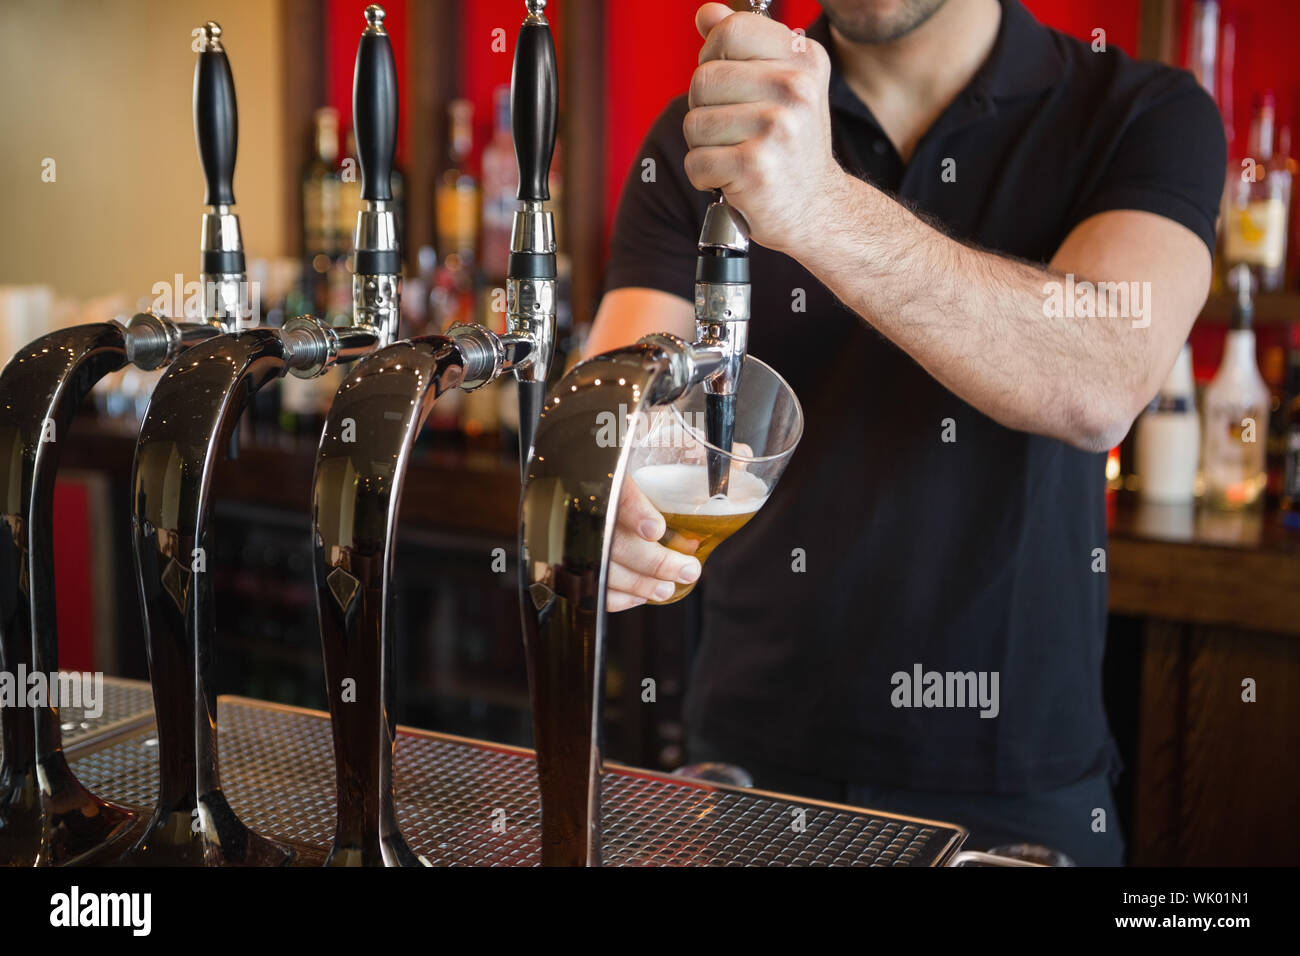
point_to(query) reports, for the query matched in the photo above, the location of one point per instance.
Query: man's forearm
(976, 321)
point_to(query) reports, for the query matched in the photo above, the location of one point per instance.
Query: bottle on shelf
(456, 219)
(500, 188)
(322, 242)
(1257, 203)
(1236, 412)
(1169, 438)
(456, 196)
(1203, 44)
(1290, 496)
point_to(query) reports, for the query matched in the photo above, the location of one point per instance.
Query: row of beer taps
(213, 367)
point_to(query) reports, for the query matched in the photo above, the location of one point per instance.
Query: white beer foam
(683, 489)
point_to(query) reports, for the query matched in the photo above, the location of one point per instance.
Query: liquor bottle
(1203, 44)
(1290, 497)
(500, 188)
(1169, 438)
(321, 240)
(457, 193)
(1257, 205)
(1236, 412)
(481, 411)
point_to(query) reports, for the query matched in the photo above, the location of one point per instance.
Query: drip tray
(127, 705)
(469, 803)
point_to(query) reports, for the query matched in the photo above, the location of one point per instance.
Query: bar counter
(1202, 663)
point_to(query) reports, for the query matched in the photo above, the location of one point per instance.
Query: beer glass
(667, 457)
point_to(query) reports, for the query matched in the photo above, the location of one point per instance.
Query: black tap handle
(374, 107)
(216, 118)
(534, 92)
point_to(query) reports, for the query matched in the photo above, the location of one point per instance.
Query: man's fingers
(616, 601)
(709, 16)
(638, 515)
(726, 125)
(715, 167)
(726, 82)
(741, 36)
(624, 580)
(651, 562)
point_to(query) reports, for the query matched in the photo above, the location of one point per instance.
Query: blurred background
(102, 194)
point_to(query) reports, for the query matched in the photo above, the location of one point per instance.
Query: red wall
(344, 21)
(1266, 34)
(483, 68)
(654, 48)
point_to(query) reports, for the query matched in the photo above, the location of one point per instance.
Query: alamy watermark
(194, 301)
(1074, 299)
(21, 688)
(953, 689)
(656, 428)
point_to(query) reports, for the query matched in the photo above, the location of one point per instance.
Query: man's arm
(759, 128)
(629, 313)
(976, 321)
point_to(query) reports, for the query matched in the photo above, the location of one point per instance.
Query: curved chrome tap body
(192, 414)
(360, 467)
(369, 431)
(567, 514)
(47, 817)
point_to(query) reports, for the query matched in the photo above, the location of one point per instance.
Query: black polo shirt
(973, 555)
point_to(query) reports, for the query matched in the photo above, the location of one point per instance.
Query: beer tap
(369, 434)
(46, 815)
(568, 512)
(191, 416)
(722, 298)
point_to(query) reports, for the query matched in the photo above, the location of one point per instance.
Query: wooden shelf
(1271, 308)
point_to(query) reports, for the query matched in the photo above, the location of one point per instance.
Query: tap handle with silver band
(722, 309)
(376, 283)
(216, 131)
(530, 285)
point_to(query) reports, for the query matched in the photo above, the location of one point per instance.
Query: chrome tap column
(191, 417)
(530, 288)
(568, 511)
(216, 131)
(722, 295)
(369, 433)
(46, 815)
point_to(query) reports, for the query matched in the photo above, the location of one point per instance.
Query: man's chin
(878, 21)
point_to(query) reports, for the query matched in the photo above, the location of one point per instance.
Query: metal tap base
(470, 803)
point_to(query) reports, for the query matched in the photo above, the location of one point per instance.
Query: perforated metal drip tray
(126, 705)
(464, 802)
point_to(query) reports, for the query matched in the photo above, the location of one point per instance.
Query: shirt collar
(1025, 59)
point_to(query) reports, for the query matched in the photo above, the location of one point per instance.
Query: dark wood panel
(1154, 839)
(1158, 30)
(1271, 308)
(302, 36)
(1240, 781)
(452, 490)
(582, 131)
(1250, 589)
(1217, 784)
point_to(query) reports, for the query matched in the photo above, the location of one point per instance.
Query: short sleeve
(1170, 160)
(659, 215)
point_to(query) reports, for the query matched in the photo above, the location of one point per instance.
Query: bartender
(945, 197)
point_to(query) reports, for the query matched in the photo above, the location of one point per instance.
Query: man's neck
(909, 82)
